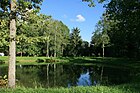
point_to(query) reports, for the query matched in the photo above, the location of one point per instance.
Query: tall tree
(12, 48)
(124, 34)
(100, 37)
(15, 8)
(75, 42)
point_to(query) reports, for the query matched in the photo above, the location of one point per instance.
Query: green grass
(79, 89)
(30, 60)
(107, 61)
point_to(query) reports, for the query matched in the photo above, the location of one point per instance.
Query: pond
(58, 75)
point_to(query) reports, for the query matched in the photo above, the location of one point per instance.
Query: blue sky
(74, 13)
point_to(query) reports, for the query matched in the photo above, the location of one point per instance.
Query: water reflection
(52, 75)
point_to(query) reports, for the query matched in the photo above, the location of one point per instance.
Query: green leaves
(75, 42)
(22, 7)
(92, 2)
(126, 36)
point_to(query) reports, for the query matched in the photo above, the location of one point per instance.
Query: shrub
(3, 81)
(2, 62)
(40, 60)
(52, 60)
(17, 61)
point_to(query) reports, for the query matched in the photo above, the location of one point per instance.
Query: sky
(74, 13)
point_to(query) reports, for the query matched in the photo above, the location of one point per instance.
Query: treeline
(41, 35)
(118, 31)
(117, 34)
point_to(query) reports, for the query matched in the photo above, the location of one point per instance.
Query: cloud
(80, 18)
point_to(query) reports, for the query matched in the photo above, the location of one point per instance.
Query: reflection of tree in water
(3, 71)
(73, 72)
(26, 76)
(58, 75)
(117, 75)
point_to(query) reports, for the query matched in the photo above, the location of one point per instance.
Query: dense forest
(118, 31)
(117, 34)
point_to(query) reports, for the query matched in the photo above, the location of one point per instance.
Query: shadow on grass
(107, 61)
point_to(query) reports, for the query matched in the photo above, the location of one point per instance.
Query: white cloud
(80, 18)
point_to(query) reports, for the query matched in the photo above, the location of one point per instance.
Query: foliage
(100, 38)
(92, 89)
(74, 43)
(2, 61)
(51, 60)
(22, 7)
(39, 60)
(92, 2)
(123, 17)
(4, 36)
(3, 81)
(119, 29)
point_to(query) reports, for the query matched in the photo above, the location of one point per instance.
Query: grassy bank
(93, 89)
(31, 60)
(117, 62)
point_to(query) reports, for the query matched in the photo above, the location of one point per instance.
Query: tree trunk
(21, 54)
(102, 71)
(103, 49)
(55, 46)
(47, 48)
(48, 75)
(54, 76)
(12, 47)
(62, 50)
(55, 42)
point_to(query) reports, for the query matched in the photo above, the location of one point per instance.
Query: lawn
(129, 88)
(106, 61)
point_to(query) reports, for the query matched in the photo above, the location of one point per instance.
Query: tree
(85, 49)
(74, 42)
(14, 8)
(100, 37)
(12, 48)
(4, 36)
(124, 34)
(92, 2)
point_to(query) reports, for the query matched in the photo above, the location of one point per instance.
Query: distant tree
(100, 37)
(85, 49)
(75, 42)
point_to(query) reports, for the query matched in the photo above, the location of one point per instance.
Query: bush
(17, 61)
(40, 60)
(3, 81)
(52, 60)
(2, 62)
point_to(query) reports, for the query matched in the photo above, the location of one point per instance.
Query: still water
(58, 75)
